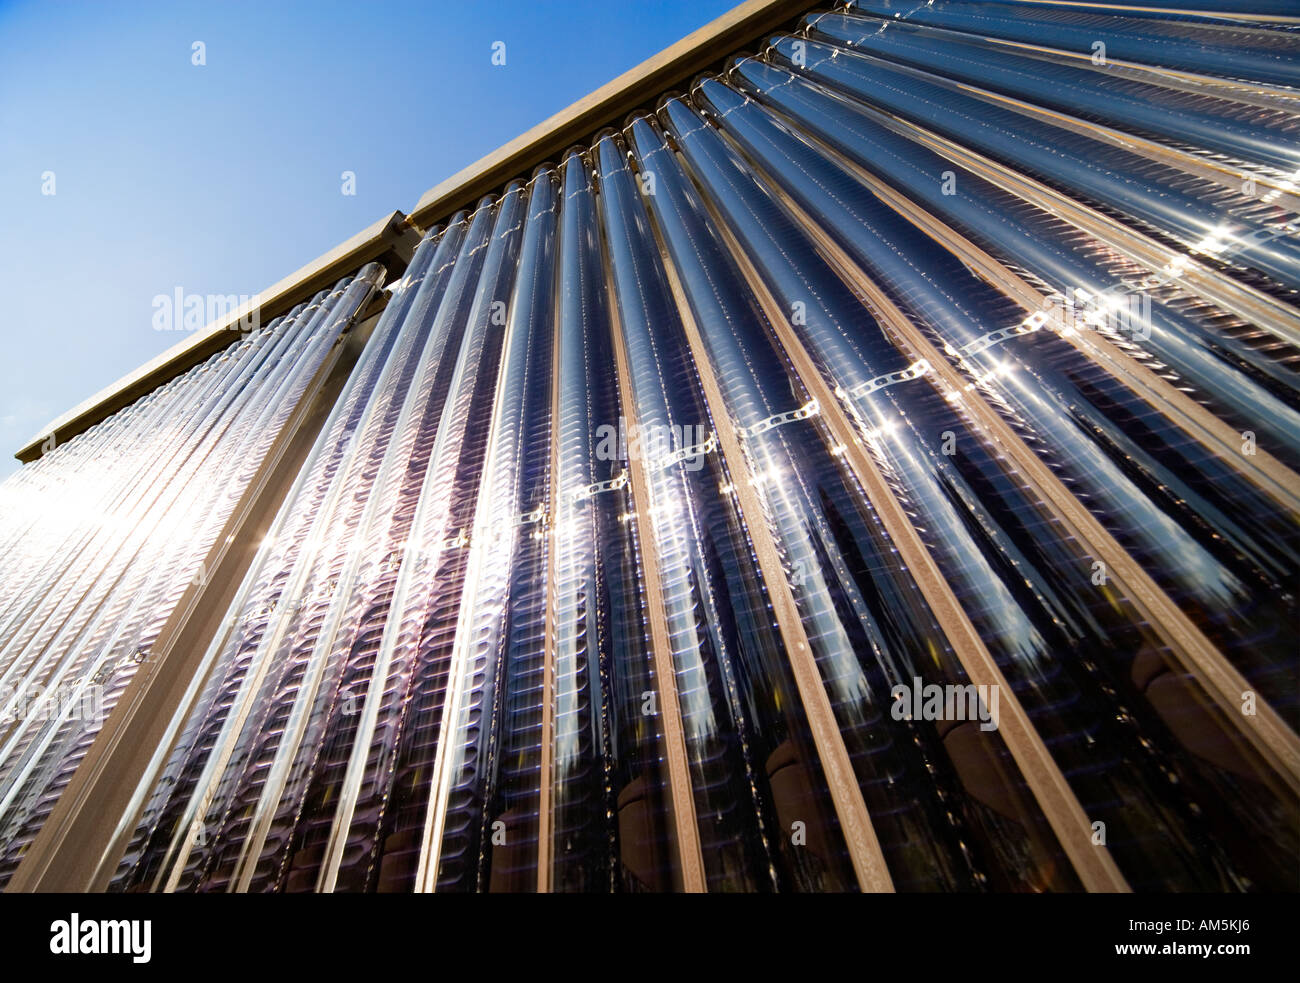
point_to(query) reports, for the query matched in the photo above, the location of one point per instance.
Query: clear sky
(222, 178)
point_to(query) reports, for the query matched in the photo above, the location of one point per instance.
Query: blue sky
(224, 177)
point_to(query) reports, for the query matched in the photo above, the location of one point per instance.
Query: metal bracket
(915, 371)
(613, 484)
(1028, 326)
(685, 454)
(808, 409)
(536, 515)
